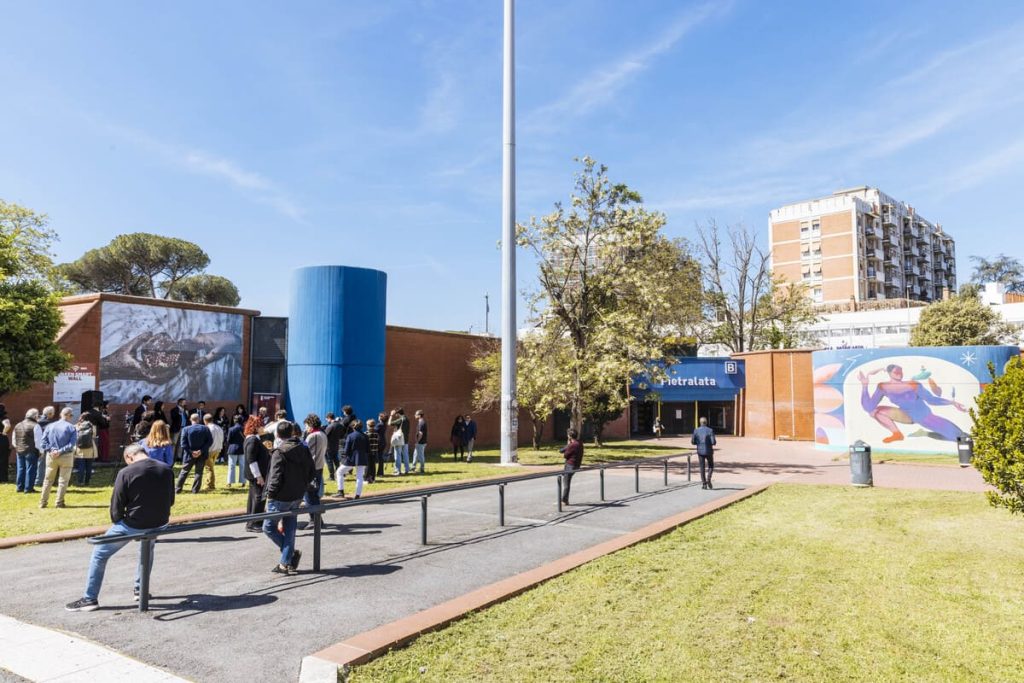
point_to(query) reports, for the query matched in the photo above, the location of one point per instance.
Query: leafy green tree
(999, 437)
(29, 316)
(1003, 269)
(207, 289)
(961, 320)
(607, 281)
(142, 264)
(539, 388)
(789, 314)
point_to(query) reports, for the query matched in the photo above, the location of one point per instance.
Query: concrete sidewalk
(219, 614)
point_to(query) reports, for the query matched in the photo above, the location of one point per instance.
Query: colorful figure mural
(866, 394)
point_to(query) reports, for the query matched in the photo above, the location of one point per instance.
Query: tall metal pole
(509, 406)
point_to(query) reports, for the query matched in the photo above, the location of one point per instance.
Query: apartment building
(861, 245)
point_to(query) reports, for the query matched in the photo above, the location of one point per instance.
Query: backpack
(85, 434)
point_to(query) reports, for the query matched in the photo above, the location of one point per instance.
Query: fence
(317, 511)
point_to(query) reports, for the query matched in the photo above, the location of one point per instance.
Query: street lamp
(509, 406)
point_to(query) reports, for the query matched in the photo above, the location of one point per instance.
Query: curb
(325, 665)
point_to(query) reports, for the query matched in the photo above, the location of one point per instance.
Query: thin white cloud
(440, 111)
(602, 86)
(1005, 159)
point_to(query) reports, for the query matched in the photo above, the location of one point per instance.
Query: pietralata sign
(695, 379)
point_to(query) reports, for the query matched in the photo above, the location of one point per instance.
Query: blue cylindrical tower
(336, 320)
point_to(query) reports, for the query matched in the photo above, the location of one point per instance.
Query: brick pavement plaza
(213, 590)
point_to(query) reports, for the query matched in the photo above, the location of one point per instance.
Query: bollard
(423, 520)
(665, 462)
(689, 469)
(636, 477)
(559, 478)
(317, 528)
(501, 505)
(147, 565)
(602, 484)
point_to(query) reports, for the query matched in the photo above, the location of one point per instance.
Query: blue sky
(279, 135)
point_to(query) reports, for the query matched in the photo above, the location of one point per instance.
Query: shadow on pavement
(199, 603)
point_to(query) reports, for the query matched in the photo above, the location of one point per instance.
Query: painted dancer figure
(910, 405)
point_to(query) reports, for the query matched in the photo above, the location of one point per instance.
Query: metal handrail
(316, 511)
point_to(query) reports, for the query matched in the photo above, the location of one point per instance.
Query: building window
(816, 295)
(815, 227)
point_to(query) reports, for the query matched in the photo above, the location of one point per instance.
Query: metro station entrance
(681, 417)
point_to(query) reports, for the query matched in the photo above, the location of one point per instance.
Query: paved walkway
(218, 611)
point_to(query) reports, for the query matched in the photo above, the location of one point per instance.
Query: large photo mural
(912, 399)
(169, 353)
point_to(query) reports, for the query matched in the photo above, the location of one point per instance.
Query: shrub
(999, 437)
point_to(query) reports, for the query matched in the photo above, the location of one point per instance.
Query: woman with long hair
(240, 410)
(158, 411)
(458, 437)
(158, 443)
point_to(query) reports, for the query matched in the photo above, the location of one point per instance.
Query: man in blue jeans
(290, 477)
(141, 502)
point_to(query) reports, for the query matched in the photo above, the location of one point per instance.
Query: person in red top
(573, 454)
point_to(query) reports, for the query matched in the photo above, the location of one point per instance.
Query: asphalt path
(218, 614)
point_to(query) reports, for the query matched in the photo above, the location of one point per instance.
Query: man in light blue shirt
(59, 441)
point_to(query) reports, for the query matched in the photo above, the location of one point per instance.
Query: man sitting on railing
(141, 502)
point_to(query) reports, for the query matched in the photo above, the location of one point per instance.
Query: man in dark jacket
(145, 405)
(334, 431)
(291, 473)
(196, 440)
(142, 500)
(26, 450)
(257, 469)
(573, 454)
(704, 440)
(179, 421)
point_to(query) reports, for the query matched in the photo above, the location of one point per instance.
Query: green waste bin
(860, 464)
(965, 449)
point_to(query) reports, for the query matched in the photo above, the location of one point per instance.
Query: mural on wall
(169, 353)
(909, 399)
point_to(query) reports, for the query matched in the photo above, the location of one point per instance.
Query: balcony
(888, 215)
(911, 269)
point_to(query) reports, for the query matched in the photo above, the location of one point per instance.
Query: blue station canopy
(695, 379)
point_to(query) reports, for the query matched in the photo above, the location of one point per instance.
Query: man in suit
(200, 410)
(704, 440)
(179, 420)
(196, 440)
(144, 406)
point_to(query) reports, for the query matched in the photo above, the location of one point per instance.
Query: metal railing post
(317, 528)
(147, 564)
(689, 462)
(501, 505)
(423, 520)
(602, 483)
(559, 478)
(636, 477)
(665, 462)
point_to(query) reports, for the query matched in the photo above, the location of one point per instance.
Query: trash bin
(965, 449)
(860, 464)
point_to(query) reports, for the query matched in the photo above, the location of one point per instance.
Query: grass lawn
(88, 505)
(808, 583)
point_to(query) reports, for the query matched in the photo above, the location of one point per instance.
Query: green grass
(806, 583)
(88, 505)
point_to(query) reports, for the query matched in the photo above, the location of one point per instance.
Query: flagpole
(509, 406)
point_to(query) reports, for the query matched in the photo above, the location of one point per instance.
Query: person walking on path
(470, 437)
(196, 440)
(257, 468)
(573, 454)
(157, 444)
(458, 437)
(704, 439)
(26, 452)
(59, 443)
(400, 439)
(235, 450)
(85, 449)
(658, 428)
(291, 473)
(420, 454)
(215, 448)
(141, 501)
(373, 450)
(356, 455)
